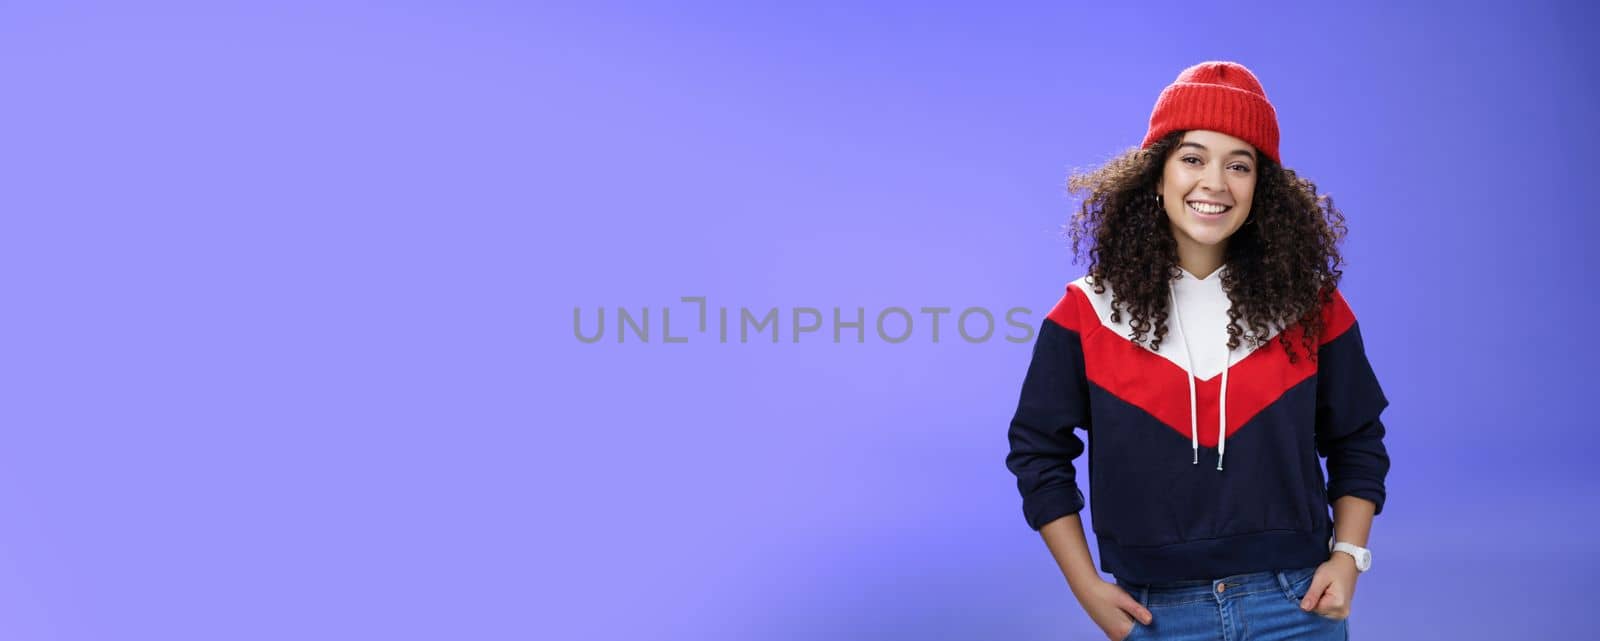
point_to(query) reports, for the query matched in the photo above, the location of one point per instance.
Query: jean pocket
(1298, 583)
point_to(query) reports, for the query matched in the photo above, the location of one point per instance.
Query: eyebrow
(1237, 152)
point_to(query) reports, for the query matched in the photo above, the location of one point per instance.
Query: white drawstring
(1194, 413)
(1222, 410)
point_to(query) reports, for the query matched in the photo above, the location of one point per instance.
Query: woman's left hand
(1332, 587)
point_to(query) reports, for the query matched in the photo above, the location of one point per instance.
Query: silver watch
(1362, 555)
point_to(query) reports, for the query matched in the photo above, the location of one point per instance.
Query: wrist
(1080, 580)
(1361, 556)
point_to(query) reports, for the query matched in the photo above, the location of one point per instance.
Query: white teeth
(1208, 208)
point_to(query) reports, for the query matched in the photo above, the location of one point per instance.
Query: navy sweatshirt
(1172, 497)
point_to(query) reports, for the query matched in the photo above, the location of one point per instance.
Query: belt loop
(1283, 581)
(1144, 595)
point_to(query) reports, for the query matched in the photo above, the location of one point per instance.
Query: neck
(1200, 260)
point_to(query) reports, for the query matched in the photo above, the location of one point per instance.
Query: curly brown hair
(1283, 263)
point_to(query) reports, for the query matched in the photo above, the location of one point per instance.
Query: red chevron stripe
(1074, 311)
(1336, 318)
(1146, 380)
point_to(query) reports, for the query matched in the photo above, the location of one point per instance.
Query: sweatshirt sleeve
(1349, 402)
(1054, 400)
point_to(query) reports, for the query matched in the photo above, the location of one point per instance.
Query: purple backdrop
(290, 347)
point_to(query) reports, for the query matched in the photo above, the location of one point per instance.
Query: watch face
(1366, 560)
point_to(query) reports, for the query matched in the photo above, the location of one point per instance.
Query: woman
(1209, 329)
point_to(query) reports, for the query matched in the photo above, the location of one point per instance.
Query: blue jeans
(1261, 606)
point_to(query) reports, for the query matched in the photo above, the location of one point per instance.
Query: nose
(1211, 179)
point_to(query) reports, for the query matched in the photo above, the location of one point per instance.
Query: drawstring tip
(1196, 460)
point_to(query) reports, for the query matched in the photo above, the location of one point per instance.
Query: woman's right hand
(1112, 608)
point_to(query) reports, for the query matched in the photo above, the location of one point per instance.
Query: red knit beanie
(1220, 96)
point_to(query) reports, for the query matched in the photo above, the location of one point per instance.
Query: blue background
(290, 289)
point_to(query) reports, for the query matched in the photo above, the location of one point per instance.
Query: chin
(1208, 238)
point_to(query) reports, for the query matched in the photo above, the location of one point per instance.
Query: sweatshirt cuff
(1368, 491)
(1044, 506)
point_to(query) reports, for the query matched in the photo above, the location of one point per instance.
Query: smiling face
(1206, 187)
